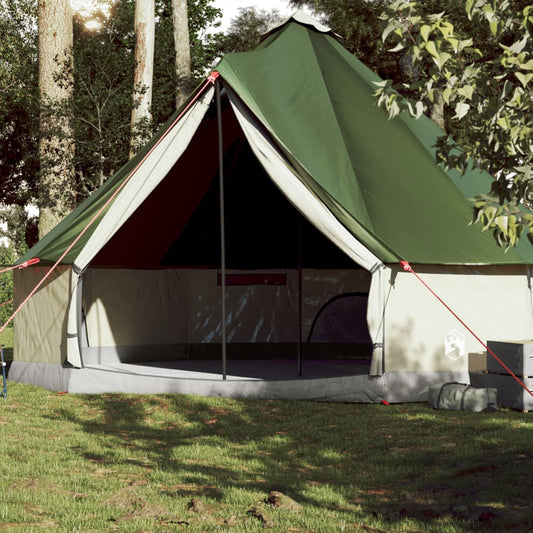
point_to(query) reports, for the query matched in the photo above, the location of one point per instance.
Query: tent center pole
(222, 226)
(299, 248)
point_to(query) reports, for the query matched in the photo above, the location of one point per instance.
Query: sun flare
(87, 9)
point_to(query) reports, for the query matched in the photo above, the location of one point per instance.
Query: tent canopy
(315, 104)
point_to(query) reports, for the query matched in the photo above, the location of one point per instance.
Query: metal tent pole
(299, 294)
(222, 226)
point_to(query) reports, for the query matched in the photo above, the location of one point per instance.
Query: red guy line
(408, 268)
(26, 264)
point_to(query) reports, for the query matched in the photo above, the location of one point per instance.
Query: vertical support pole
(299, 294)
(222, 225)
(3, 394)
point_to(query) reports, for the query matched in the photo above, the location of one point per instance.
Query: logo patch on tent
(454, 345)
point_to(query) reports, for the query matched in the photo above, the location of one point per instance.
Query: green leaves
(487, 95)
(461, 109)
(524, 79)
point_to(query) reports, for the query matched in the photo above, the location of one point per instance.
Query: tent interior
(153, 293)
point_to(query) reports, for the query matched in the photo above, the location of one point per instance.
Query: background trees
(104, 67)
(245, 30)
(19, 119)
(99, 77)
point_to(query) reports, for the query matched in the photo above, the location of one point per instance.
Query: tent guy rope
(26, 264)
(408, 268)
(210, 81)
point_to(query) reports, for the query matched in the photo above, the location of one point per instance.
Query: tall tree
(182, 50)
(246, 29)
(141, 114)
(57, 193)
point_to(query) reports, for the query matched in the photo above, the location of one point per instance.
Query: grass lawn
(192, 464)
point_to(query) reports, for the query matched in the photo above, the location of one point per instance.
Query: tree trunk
(437, 111)
(141, 115)
(182, 48)
(57, 190)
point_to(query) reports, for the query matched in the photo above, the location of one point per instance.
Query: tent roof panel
(316, 100)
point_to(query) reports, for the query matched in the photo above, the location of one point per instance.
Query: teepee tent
(266, 221)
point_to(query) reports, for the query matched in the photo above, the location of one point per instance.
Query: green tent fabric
(377, 176)
(318, 103)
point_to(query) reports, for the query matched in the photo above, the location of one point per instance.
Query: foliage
(103, 68)
(22, 228)
(246, 29)
(104, 65)
(7, 257)
(488, 83)
(19, 98)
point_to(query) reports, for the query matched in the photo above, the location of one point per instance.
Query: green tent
(319, 196)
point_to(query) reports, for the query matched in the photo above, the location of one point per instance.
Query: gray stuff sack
(461, 397)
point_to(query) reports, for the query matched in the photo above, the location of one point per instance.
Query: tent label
(454, 345)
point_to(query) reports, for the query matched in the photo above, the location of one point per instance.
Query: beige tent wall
(40, 328)
(176, 306)
(494, 301)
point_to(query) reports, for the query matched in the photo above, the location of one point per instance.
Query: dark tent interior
(179, 227)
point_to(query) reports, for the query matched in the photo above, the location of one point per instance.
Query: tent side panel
(40, 327)
(164, 308)
(135, 307)
(421, 335)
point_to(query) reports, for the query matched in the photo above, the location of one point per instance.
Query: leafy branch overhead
(484, 76)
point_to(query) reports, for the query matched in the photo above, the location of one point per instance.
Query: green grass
(135, 463)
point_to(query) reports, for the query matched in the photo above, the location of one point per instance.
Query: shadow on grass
(398, 462)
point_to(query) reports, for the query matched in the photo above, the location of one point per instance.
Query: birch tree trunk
(57, 190)
(182, 48)
(141, 115)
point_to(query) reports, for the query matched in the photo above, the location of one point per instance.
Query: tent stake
(222, 226)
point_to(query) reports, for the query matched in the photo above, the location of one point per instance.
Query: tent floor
(326, 380)
(321, 380)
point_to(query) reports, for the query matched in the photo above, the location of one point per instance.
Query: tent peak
(305, 19)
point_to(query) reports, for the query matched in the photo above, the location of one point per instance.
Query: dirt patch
(126, 498)
(282, 501)
(36, 485)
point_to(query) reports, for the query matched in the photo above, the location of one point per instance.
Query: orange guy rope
(210, 80)
(407, 267)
